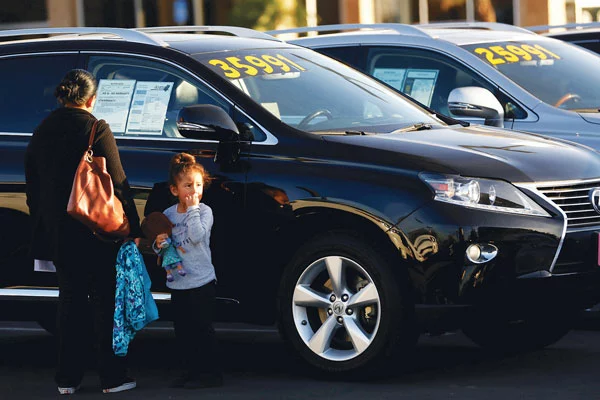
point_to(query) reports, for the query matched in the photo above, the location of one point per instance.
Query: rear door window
(28, 85)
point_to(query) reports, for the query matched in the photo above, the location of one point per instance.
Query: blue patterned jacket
(134, 305)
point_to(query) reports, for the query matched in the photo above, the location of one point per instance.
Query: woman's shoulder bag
(93, 201)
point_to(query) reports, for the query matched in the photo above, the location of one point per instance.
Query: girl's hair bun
(183, 158)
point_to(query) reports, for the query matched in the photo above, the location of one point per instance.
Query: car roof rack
(400, 28)
(233, 30)
(129, 35)
(491, 26)
(542, 28)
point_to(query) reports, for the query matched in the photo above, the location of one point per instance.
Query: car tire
(533, 333)
(352, 322)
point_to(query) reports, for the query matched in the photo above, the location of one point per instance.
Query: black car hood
(478, 151)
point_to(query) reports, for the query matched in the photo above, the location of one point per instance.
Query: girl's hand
(161, 239)
(192, 200)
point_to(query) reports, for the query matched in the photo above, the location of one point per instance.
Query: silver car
(489, 73)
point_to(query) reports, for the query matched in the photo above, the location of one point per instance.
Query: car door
(140, 97)
(27, 97)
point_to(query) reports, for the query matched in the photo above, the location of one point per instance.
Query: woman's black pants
(86, 279)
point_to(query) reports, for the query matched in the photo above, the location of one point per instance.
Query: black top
(51, 160)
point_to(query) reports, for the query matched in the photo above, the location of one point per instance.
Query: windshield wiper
(421, 126)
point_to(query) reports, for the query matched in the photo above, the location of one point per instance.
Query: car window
(312, 92)
(429, 77)
(142, 98)
(29, 93)
(556, 72)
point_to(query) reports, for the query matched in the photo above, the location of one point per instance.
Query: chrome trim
(271, 139)
(557, 183)
(52, 293)
(23, 134)
(536, 275)
(43, 53)
(129, 35)
(194, 127)
(532, 187)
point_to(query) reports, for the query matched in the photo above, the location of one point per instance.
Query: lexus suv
(487, 73)
(345, 213)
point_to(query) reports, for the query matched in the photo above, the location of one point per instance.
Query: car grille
(574, 200)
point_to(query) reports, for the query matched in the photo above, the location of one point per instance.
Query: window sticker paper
(112, 102)
(392, 76)
(149, 108)
(420, 83)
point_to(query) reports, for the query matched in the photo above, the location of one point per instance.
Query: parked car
(586, 35)
(489, 73)
(344, 213)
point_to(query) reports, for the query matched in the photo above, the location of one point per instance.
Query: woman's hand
(161, 239)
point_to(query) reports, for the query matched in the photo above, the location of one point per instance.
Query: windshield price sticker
(512, 53)
(253, 65)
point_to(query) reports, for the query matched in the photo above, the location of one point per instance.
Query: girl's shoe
(181, 272)
(170, 278)
(127, 384)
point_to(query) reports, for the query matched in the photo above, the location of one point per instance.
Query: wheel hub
(338, 308)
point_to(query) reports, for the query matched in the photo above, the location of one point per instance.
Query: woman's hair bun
(76, 87)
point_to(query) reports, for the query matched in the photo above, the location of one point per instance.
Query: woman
(85, 265)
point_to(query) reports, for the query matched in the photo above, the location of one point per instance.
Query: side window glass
(28, 93)
(142, 98)
(248, 130)
(351, 55)
(429, 77)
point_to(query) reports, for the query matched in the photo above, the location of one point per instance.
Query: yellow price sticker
(512, 53)
(252, 65)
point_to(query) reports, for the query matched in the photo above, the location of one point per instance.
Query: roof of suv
(458, 33)
(187, 39)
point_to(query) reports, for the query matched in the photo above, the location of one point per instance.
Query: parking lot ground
(258, 366)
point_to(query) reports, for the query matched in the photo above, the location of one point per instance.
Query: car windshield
(314, 93)
(556, 72)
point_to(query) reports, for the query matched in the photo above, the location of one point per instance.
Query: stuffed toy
(157, 223)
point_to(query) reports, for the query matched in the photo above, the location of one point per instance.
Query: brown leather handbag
(93, 201)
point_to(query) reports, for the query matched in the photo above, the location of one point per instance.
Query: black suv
(345, 213)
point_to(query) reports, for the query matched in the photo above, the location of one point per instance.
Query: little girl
(192, 296)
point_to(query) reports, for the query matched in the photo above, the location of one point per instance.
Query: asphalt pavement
(258, 366)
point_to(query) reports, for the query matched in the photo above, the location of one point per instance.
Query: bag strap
(93, 134)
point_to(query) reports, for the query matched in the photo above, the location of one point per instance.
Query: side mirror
(207, 122)
(473, 101)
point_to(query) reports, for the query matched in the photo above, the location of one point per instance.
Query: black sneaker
(204, 381)
(127, 384)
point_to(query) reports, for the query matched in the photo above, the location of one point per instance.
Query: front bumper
(528, 273)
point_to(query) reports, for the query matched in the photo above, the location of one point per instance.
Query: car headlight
(485, 194)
